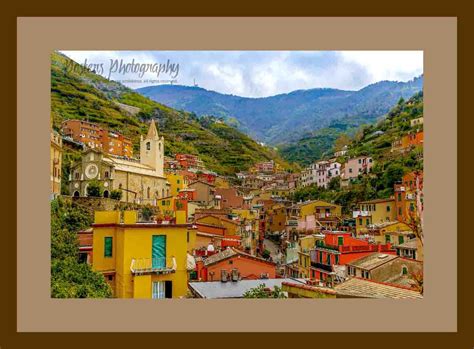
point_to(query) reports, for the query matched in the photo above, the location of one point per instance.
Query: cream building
(141, 181)
(56, 145)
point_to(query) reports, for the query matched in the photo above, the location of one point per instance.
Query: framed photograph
(298, 173)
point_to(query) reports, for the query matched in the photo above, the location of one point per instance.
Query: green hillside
(80, 94)
(389, 167)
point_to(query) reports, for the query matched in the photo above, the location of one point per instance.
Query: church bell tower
(152, 150)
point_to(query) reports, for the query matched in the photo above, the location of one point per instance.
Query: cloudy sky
(256, 73)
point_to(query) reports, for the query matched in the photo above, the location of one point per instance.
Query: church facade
(141, 181)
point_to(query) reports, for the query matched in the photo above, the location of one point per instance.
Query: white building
(320, 173)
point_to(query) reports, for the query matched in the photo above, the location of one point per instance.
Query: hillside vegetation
(77, 93)
(389, 167)
(287, 117)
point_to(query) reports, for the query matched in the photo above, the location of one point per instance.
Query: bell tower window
(148, 145)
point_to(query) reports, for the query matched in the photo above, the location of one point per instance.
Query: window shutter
(108, 246)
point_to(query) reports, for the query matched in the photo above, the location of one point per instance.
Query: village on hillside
(156, 226)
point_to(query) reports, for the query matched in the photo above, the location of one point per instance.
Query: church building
(141, 181)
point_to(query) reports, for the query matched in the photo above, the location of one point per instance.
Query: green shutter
(108, 246)
(387, 238)
(400, 239)
(158, 251)
(340, 240)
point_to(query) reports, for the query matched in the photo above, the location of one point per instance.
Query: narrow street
(272, 247)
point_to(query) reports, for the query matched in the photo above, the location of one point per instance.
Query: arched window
(106, 174)
(162, 193)
(76, 194)
(148, 192)
(120, 186)
(106, 193)
(404, 270)
(148, 145)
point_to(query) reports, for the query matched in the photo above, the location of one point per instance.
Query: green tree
(116, 194)
(69, 278)
(95, 189)
(263, 292)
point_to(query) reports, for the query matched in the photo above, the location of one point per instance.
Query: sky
(254, 73)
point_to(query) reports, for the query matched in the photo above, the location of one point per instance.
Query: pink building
(359, 165)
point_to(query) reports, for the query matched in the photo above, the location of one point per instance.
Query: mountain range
(79, 93)
(286, 118)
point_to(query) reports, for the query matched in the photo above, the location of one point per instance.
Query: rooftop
(356, 287)
(231, 252)
(372, 261)
(410, 244)
(230, 289)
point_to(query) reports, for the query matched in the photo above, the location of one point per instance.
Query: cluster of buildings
(213, 238)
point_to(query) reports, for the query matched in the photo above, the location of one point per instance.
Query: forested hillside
(389, 167)
(77, 93)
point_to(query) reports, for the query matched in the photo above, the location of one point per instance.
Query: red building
(96, 137)
(187, 161)
(230, 198)
(84, 238)
(338, 249)
(233, 262)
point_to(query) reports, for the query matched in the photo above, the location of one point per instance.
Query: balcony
(321, 266)
(356, 214)
(141, 266)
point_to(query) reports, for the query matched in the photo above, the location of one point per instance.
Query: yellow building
(56, 151)
(374, 212)
(304, 264)
(177, 182)
(276, 218)
(141, 260)
(319, 208)
(390, 232)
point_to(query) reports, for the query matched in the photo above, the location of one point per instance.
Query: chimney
(235, 275)
(224, 275)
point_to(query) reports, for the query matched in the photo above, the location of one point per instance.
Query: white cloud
(266, 73)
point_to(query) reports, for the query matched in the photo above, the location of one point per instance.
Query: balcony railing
(321, 266)
(153, 265)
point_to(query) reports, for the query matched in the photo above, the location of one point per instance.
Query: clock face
(91, 171)
(76, 185)
(106, 184)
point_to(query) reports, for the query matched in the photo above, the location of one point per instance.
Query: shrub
(95, 189)
(116, 194)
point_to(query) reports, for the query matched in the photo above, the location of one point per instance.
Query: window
(367, 221)
(106, 174)
(162, 289)
(336, 261)
(388, 208)
(328, 259)
(148, 145)
(399, 211)
(158, 251)
(404, 270)
(387, 238)
(400, 239)
(108, 246)
(360, 221)
(340, 240)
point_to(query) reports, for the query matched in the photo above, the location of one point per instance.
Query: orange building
(232, 261)
(95, 137)
(406, 196)
(412, 140)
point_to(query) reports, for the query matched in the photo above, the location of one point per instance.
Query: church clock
(91, 171)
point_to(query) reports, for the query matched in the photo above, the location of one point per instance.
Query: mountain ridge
(285, 118)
